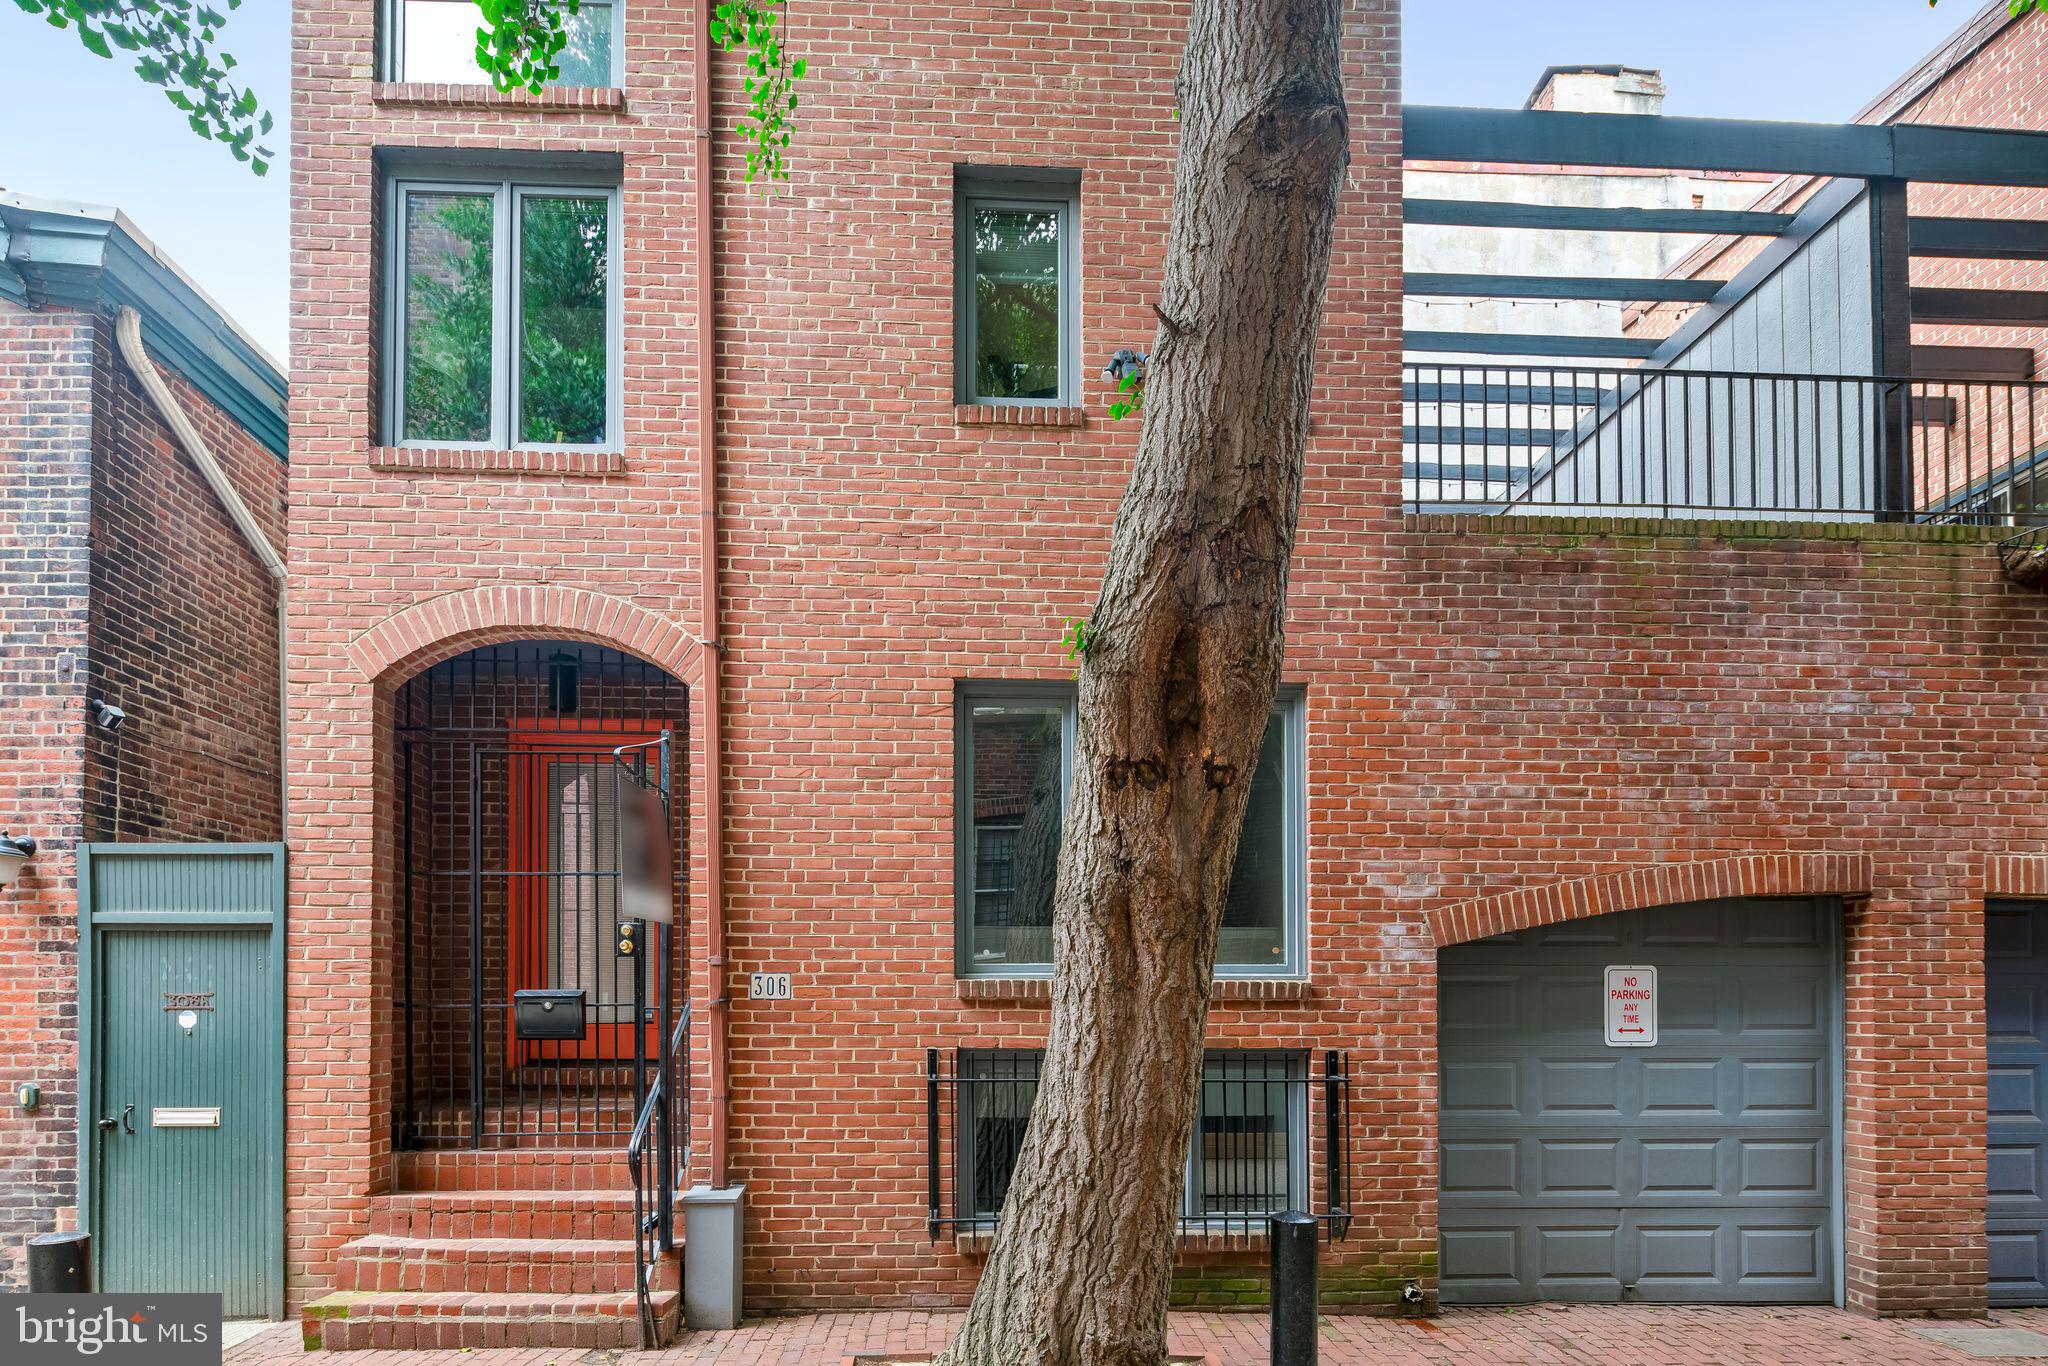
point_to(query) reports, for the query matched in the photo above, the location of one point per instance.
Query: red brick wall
(184, 624)
(1489, 710)
(46, 384)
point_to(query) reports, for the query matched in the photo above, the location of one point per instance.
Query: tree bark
(1176, 685)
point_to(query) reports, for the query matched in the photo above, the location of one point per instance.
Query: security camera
(109, 716)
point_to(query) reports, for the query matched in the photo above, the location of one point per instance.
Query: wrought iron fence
(1714, 443)
(1273, 1135)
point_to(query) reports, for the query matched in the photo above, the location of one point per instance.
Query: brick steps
(562, 1266)
(505, 1267)
(361, 1320)
(549, 1169)
(537, 1215)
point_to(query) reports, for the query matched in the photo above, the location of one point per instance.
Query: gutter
(128, 335)
(710, 750)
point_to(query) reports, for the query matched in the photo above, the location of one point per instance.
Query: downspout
(707, 593)
(128, 334)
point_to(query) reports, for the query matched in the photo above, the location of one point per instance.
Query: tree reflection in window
(1017, 303)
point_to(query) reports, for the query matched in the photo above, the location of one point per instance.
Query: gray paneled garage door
(1702, 1169)
(2016, 1011)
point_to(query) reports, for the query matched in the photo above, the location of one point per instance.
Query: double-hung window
(1247, 1158)
(502, 316)
(434, 41)
(1014, 755)
(1017, 308)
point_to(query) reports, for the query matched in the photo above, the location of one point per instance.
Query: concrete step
(364, 1319)
(550, 1169)
(494, 1266)
(528, 1215)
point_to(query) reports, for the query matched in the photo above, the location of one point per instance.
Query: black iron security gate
(536, 997)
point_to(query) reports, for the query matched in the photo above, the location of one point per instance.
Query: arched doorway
(532, 823)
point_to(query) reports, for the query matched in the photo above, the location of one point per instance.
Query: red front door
(565, 887)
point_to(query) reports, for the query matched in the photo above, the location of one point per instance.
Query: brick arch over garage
(439, 628)
(1663, 884)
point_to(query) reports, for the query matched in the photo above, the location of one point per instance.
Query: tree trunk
(1176, 684)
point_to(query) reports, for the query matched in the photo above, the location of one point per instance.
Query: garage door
(1701, 1169)
(2016, 1019)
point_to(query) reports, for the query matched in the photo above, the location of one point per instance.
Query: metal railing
(1568, 440)
(1274, 1134)
(664, 1125)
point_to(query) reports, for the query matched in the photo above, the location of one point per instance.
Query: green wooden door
(184, 1131)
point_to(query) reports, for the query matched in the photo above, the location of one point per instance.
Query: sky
(82, 128)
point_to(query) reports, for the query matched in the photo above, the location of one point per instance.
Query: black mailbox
(547, 1014)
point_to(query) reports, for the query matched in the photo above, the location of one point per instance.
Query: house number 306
(769, 986)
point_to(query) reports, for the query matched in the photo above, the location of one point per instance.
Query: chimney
(1600, 90)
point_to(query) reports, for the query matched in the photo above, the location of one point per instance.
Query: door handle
(126, 1123)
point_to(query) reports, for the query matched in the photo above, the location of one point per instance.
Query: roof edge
(92, 256)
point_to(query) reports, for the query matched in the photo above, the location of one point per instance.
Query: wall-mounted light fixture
(15, 850)
(107, 715)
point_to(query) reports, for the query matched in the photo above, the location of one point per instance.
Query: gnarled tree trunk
(1176, 685)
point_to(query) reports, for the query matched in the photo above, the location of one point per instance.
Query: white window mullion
(504, 322)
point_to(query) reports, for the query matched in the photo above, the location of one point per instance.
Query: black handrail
(654, 1184)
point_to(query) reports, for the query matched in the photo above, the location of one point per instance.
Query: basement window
(1013, 749)
(1016, 310)
(434, 42)
(502, 316)
(1247, 1158)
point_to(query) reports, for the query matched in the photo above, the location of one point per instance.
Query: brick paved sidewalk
(1538, 1336)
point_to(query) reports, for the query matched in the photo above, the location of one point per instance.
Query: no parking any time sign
(1631, 1007)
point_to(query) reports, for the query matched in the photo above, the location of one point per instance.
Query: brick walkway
(1611, 1336)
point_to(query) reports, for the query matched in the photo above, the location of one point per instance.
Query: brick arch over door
(439, 628)
(1663, 884)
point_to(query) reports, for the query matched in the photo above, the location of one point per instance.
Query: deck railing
(1551, 440)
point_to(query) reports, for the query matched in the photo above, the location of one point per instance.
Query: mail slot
(184, 1117)
(549, 1013)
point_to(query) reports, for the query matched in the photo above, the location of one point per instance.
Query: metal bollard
(1293, 1238)
(60, 1264)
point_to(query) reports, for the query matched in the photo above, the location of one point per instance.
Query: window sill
(1038, 990)
(429, 95)
(460, 460)
(1017, 415)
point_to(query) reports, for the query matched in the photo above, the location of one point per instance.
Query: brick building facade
(131, 586)
(1503, 723)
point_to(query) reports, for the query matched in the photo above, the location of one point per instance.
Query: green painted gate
(181, 1128)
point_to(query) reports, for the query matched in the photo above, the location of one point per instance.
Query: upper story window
(1017, 305)
(503, 315)
(1014, 757)
(434, 41)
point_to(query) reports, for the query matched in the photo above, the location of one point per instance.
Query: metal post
(1292, 1237)
(665, 1061)
(476, 945)
(60, 1264)
(931, 1141)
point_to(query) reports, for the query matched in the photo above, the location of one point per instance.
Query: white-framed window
(1017, 294)
(1247, 1157)
(502, 316)
(434, 42)
(1013, 756)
